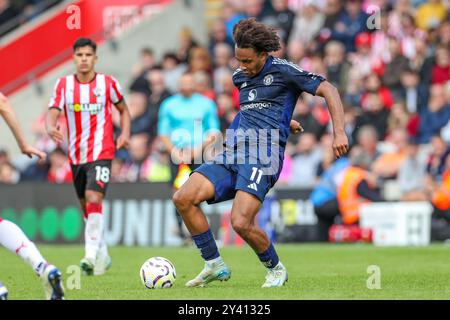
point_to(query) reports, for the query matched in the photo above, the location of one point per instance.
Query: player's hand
(123, 141)
(31, 151)
(296, 127)
(55, 134)
(340, 144)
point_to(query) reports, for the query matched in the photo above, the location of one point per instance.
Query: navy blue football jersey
(268, 99)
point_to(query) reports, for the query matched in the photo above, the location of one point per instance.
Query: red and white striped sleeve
(58, 98)
(115, 92)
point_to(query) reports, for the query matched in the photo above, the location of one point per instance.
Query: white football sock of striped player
(13, 239)
(93, 235)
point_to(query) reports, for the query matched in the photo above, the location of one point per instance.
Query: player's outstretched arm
(123, 140)
(334, 103)
(7, 112)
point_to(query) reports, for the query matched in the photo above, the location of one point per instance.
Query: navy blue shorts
(227, 179)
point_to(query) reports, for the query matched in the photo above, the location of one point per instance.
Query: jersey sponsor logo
(93, 108)
(268, 80)
(252, 95)
(259, 105)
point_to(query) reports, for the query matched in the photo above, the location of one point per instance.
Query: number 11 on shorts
(255, 171)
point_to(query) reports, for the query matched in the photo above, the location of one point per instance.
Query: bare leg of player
(13, 239)
(243, 213)
(97, 260)
(187, 200)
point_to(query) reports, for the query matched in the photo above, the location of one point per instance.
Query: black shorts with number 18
(91, 176)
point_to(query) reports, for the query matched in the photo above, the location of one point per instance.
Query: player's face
(250, 62)
(85, 59)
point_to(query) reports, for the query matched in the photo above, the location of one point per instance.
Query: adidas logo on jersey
(244, 85)
(252, 186)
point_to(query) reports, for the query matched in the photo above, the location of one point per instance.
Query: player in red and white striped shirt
(86, 98)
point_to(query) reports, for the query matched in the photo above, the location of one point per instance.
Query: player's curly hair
(248, 33)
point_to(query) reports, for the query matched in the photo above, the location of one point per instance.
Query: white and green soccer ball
(158, 273)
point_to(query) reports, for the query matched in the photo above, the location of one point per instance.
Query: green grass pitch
(315, 272)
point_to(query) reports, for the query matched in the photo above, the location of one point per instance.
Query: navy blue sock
(269, 258)
(207, 245)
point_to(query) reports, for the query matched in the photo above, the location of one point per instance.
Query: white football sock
(13, 239)
(214, 261)
(93, 235)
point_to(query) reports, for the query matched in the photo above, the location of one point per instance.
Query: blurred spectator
(8, 174)
(351, 22)
(218, 36)
(186, 43)
(440, 73)
(281, 17)
(436, 116)
(400, 118)
(333, 10)
(430, 14)
(388, 164)
(356, 186)
(159, 93)
(172, 70)
(440, 198)
(254, 8)
(140, 116)
(146, 63)
(59, 169)
(373, 84)
(296, 51)
(305, 161)
(308, 120)
(222, 56)
(7, 13)
(4, 156)
(199, 60)
(231, 15)
(337, 67)
(367, 139)
(202, 84)
(401, 8)
(412, 92)
(324, 197)
(412, 174)
(436, 160)
(307, 23)
(396, 66)
(444, 33)
(137, 168)
(363, 59)
(374, 113)
(36, 171)
(226, 111)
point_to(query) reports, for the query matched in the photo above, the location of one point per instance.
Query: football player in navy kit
(254, 150)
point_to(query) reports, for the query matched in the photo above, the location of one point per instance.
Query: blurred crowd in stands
(390, 61)
(14, 13)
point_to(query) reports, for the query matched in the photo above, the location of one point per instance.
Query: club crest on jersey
(97, 92)
(252, 95)
(268, 80)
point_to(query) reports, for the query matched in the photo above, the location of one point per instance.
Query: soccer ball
(158, 273)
